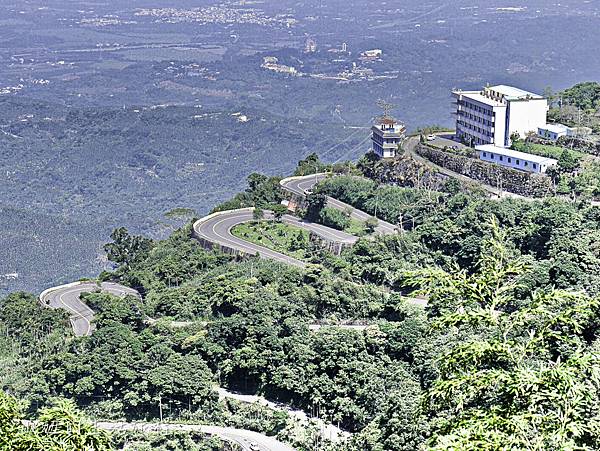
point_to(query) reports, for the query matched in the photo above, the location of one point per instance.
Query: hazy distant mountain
(113, 112)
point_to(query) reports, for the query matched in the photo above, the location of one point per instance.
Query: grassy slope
(543, 150)
(273, 235)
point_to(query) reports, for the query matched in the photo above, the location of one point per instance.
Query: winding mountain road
(67, 297)
(300, 186)
(216, 229)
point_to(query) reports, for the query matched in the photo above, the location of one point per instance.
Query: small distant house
(514, 159)
(387, 136)
(554, 131)
(372, 54)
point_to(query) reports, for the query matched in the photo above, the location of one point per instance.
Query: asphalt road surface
(326, 430)
(300, 186)
(216, 229)
(67, 297)
(248, 440)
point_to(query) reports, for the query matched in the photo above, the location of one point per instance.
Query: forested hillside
(504, 355)
(74, 174)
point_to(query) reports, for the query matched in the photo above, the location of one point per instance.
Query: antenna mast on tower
(387, 109)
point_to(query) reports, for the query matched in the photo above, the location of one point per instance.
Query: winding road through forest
(215, 229)
(300, 186)
(67, 297)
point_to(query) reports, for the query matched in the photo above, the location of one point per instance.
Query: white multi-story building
(492, 115)
(514, 159)
(387, 136)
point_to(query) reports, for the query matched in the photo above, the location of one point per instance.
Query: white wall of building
(552, 133)
(514, 159)
(524, 117)
(385, 139)
(477, 118)
(491, 115)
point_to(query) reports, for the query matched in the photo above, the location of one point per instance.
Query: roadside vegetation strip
(327, 430)
(278, 236)
(546, 150)
(303, 185)
(248, 440)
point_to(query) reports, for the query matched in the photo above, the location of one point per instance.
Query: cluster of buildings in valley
(219, 14)
(272, 63)
(339, 65)
(489, 120)
(106, 21)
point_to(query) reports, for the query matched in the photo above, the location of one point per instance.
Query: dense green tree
(311, 165)
(125, 248)
(59, 427)
(278, 211)
(169, 441)
(262, 192)
(525, 380)
(584, 95)
(332, 217)
(567, 161)
(315, 202)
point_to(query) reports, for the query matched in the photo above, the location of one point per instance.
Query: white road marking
(77, 313)
(84, 313)
(243, 245)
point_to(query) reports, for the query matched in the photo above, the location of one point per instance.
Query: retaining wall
(512, 180)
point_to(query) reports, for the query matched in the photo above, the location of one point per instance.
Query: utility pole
(160, 414)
